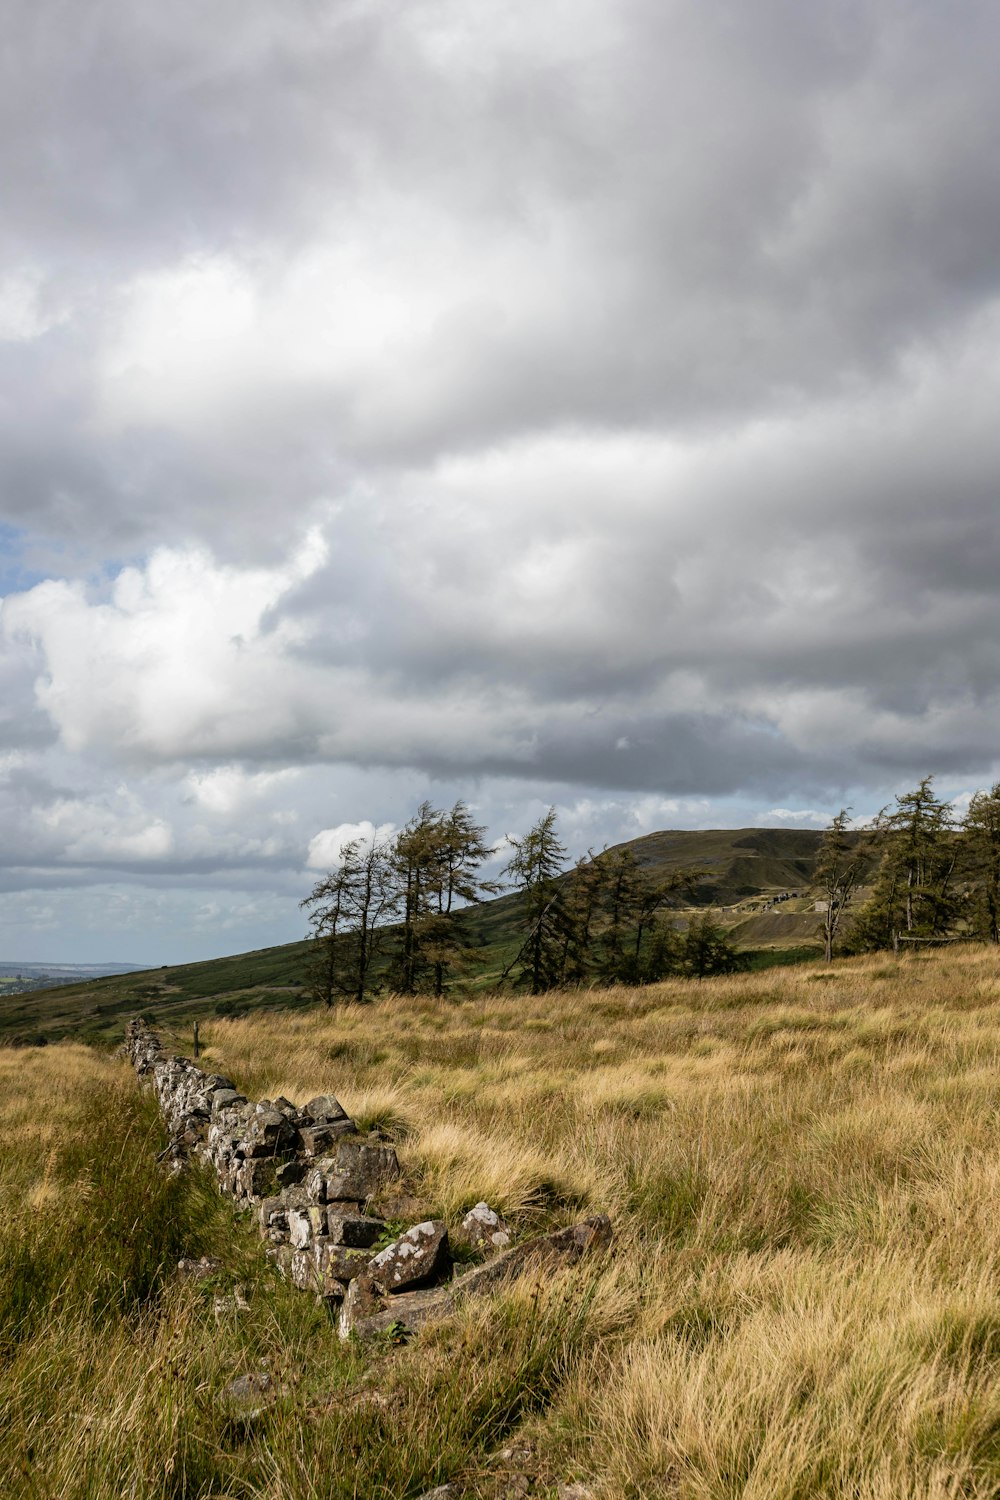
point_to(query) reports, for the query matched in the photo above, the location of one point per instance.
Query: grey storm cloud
(591, 402)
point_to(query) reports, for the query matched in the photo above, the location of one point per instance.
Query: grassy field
(803, 1168)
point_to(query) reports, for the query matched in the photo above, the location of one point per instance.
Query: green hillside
(738, 864)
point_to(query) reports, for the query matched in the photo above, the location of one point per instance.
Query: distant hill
(739, 864)
(11, 968)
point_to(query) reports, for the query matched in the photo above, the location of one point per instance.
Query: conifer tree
(981, 841)
(706, 950)
(438, 857)
(581, 918)
(916, 892)
(843, 859)
(349, 909)
(534, 866)
(462, 851)
(418, 858)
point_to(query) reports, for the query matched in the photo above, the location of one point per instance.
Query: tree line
(389, 914)
(933, 876)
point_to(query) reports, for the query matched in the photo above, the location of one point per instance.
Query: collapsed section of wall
(309, 1176)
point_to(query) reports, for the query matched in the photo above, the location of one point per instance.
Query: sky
(590, 403)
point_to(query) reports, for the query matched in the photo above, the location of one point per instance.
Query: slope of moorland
(737, 863)
(95, 1009)
(803, 1168)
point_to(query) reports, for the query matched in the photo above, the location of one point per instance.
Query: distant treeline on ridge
(390, 910)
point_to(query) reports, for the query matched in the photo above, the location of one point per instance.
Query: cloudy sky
(589, 401)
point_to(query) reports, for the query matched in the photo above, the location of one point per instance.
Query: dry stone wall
(308, 1175)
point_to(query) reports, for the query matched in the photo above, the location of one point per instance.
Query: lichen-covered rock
(337, 1265)
(417, 1259)
(295, 1196)
(314, 1181)
(484, 1228)
(300, 1229)
(303, 1270)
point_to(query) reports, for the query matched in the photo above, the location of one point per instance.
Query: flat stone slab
(366, 1314)
(318, 1139)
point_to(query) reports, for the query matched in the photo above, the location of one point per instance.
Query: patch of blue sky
(26, 559)
(16, 570)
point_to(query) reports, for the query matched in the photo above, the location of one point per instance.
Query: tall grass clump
(99, 1233)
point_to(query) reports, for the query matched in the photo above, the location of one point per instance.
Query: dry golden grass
(41, 1089)
(804, 1169)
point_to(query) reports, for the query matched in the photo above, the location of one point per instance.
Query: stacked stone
(308, 1175)
(306, 1172)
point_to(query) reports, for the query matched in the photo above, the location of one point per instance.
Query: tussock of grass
(458, 1166)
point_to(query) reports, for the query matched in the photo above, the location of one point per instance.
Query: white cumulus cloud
(326, 848)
